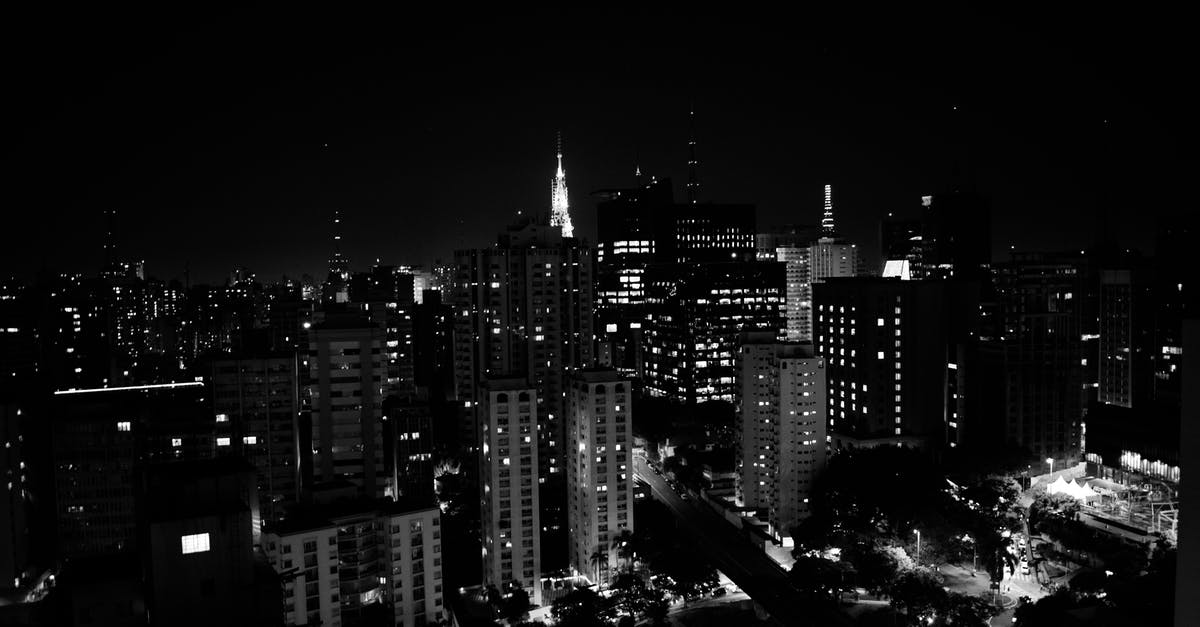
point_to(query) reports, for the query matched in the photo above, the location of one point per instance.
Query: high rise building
(100, 436)
(831, 257)
(259, 398)
(524, 308)
(408, 431)
(626, 220)
(387, 292)
(782, 428)
(196, 541)
(793, 248)
(695, 313)
(599, 473)
(1032, 355)
(1126, 338)
(890, 346)
(343, 403)
(360, 562)
(14, 515)
(337, 284)
(509, 477)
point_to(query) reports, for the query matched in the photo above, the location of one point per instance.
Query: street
(747, 566)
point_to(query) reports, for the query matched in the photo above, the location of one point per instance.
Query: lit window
(195, 543)
(222, 441)
(222, 418)
(250, 439)
(176, 442)
(124, 425)
(879, 322)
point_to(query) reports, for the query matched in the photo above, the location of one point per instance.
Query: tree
(918, 593)
(581, 607)
(820, 578)
(598, 557)
(965, 610)
(515, 606)
(874, 566)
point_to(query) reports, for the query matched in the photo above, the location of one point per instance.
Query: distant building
(626, 221)
(694, 315)
(1126, 338)
(782, 428)
(950, 239)
(890, 348)
(259, 398)
(347, 369)
(509, 479)
(1032, 355)
(360, 562)
(408, 430)
(387, 292)
(599, 469)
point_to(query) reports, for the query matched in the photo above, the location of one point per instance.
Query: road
(747, 566)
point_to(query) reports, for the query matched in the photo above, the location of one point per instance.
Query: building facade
(599, 470)
(782, 428)
(360, 563)
(509, 478)
(347, 370)
(260, 400)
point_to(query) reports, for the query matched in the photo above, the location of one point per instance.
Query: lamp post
(1050, 460)
(918, 532)
(974, 562)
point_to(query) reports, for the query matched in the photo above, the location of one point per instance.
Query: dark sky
(225, 147)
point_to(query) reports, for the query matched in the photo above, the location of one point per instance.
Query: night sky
(226, 147)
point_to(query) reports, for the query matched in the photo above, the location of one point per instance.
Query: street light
(974, 564)
(1050, 460)
(918, 532)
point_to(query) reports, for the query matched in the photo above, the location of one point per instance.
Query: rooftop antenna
(693, 185)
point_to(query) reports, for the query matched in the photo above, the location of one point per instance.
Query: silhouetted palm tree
(599, 556)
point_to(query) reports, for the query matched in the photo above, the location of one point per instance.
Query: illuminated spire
(827, 219)
(559, 205)
(693, 185)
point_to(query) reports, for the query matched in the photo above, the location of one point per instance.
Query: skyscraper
(695, 313)
(524, 308)
(509, 479)
(259, 396)
(889, 346)
(782, 428)
(347, 369)
(599, 474)
(1031, 352)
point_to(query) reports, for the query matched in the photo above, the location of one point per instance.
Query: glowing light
(559, 203)
(195, 543)
(155, 386)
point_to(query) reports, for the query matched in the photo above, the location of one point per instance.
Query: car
(719, 591)
(1024, 567)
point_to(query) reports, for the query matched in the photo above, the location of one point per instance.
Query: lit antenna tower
(693, 185)
(559, 205)
(338, 263)
(827, 219)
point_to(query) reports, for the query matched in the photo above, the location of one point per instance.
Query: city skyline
(816, 323)
(1059, 133)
